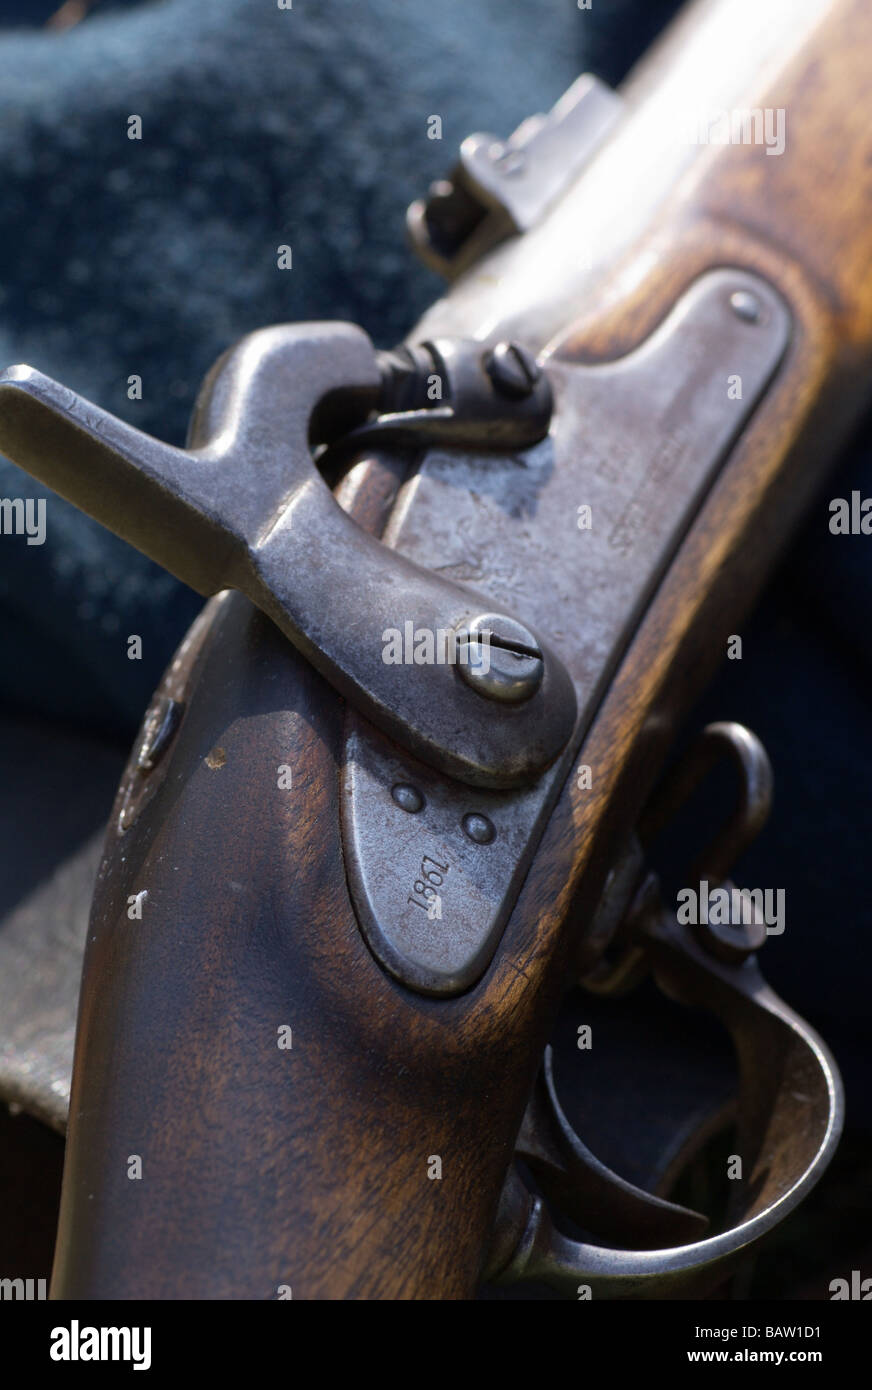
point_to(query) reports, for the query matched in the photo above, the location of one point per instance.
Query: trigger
(591, 1194)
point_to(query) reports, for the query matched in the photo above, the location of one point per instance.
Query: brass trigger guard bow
(790, 1104)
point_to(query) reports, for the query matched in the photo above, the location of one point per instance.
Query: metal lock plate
(639, 441)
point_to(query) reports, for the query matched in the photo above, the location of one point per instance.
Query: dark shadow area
(616, 33)
(57, 790)
(31, 1166)
(56, 14)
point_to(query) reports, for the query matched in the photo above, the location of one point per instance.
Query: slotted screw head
(506, 665)
(513, 370)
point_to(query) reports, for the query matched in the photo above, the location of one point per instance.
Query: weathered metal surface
(788, 1111)
(638, 441)
(245, 507)
(790, 1116)
(500, 187)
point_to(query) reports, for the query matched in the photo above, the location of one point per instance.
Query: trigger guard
(790, 1116)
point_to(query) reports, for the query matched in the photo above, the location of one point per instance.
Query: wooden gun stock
(286, 1096)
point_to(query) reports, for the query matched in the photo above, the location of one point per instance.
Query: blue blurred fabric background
(151, 257)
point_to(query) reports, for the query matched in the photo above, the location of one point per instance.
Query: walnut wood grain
(309, 1167)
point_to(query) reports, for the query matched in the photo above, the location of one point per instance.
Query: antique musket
(341, 897)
